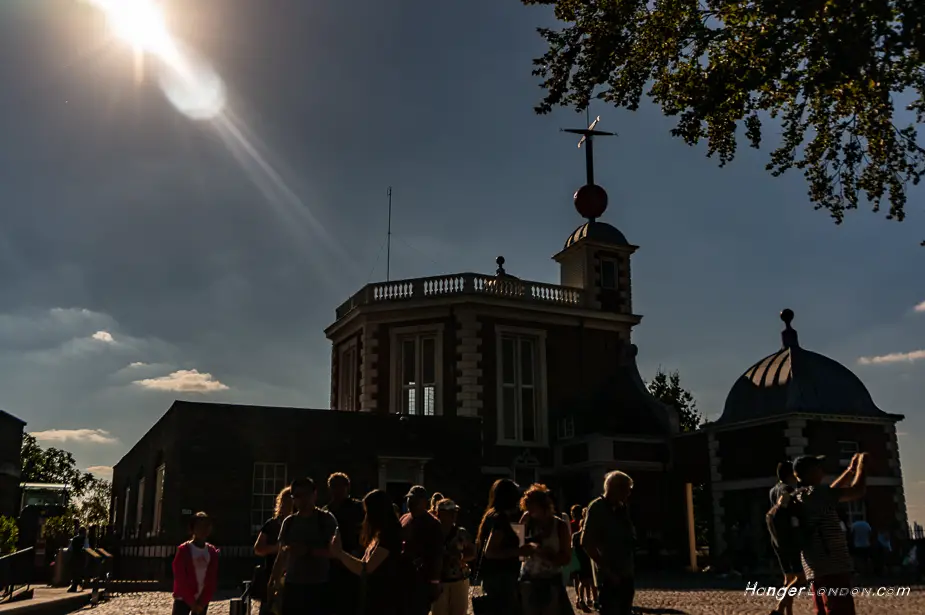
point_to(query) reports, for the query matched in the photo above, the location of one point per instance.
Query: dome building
(790, 403)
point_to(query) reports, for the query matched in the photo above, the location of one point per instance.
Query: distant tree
(666, 387)
(52, 465)
(92, 508)
(828, 74)
(9, 535)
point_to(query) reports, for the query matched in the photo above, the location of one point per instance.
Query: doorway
(397, 492)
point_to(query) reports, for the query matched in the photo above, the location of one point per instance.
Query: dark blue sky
(122, 216)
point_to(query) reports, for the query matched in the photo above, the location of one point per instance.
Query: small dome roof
(597, 231)
(797, 380)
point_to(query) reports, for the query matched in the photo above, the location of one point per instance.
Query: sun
(140, 23)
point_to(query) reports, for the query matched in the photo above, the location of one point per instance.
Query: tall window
(609, 273)
(140, 506)
(846, 450)
(520, 400)
(128, 497)
(115, 511)
(158, 499)
(269, 480)
(417, 369)
(347, 377)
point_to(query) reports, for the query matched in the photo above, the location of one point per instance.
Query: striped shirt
(827, 553)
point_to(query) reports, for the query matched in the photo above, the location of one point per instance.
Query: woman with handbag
(267, 547)
(549, 536)
(499, 562)
(385, 581)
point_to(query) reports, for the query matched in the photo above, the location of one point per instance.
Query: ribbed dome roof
(797, 380)
(597, 231)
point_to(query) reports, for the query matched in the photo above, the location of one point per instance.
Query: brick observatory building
(450, 381)
(797, 402)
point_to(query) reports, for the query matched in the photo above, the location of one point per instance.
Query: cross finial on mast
(587, 139)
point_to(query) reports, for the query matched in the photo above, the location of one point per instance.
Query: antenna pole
(388, 244)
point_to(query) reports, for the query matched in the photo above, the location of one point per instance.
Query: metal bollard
(238, 607)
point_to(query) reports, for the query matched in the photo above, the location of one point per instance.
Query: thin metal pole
(388, 244)
(589, 158)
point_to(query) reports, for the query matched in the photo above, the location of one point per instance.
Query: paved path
(648, 602)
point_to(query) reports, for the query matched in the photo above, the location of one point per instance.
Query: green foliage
(9, 535)
(89, 495)
(668, 390)
(52, 465)
(59, 529)
(826, 70)
(93, 506)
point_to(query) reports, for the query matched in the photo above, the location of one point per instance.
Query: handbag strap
(477, 577)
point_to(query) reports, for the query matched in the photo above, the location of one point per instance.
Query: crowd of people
(364, 557)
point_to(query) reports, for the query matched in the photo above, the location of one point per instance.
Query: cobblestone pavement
(648, 602)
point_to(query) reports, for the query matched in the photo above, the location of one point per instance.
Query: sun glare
(140, 23)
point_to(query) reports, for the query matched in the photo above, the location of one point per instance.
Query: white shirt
(861, 533)
(201, 557)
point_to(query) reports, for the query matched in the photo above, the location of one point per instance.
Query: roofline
(15, 418)
(627, 247)
(886, 418)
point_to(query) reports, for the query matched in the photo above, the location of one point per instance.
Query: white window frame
(159, 478)
(126, 509)
(565, 428)
(538, 336)
(616, 272)
(396, 336)
(854, 447)
(261, 491)
(347, 375)
(115, 510)
(140, 504)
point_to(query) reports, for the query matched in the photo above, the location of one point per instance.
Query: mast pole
(388, 244)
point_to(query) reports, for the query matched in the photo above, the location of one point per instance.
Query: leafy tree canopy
(666, 387)
(829, 71)
(89, 495)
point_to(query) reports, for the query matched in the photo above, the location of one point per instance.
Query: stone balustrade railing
(462, 284)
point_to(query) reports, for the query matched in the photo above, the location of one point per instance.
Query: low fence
(16, 573)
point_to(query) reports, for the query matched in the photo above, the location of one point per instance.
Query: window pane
(408, 401)
(430, 399)
(509, 413)
(428, 360)
(507, 360)
(528, 415)
(408, 365)
(608, 274)
(526, 362)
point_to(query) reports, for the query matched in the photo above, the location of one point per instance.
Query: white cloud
(103, 471)
(184, 381)
(138, 364)
(103, 336)
(894, 357)
(920, 307)
(95, 436)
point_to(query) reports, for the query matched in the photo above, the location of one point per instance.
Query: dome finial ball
(787, 316)
(591, 201)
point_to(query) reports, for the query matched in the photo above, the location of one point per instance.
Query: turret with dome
(790, 403)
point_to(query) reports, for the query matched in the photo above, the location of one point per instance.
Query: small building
(790, 403)
(11, 431)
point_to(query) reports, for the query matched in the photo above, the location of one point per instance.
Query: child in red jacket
(195, 570)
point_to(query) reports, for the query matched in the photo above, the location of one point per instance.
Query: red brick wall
(824, 438)
(751, 452)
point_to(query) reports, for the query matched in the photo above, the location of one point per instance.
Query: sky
(147, 256)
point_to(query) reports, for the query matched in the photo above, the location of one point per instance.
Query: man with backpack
(827, 565)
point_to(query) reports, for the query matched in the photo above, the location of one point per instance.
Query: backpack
(787, 523)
